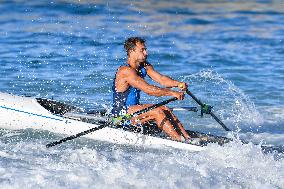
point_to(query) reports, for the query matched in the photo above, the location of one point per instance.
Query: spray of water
(230, 102)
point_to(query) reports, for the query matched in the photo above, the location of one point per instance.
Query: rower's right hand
(178, 95)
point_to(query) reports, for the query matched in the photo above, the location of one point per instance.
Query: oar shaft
(194, 97)
(76, 136)
(109, 123)
(219, 121)
(153, 107)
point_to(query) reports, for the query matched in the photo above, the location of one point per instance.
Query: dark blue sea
(231, 54)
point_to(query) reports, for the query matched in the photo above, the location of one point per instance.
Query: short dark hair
(131, 42)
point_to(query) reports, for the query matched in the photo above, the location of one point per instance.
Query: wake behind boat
(18, 112)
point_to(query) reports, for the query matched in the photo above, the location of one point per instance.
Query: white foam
(233, 166)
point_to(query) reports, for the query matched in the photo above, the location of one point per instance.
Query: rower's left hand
(182, 86)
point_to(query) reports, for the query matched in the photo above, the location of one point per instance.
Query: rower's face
(140, 52)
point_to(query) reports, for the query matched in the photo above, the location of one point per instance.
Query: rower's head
(136, 49)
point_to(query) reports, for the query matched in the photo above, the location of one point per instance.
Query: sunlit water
(230, 53)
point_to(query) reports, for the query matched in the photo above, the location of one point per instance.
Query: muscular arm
(130, 76)
(161, 79)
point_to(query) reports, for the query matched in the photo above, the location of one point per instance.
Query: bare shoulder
(126, 70)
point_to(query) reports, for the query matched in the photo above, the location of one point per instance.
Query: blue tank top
(121, 100)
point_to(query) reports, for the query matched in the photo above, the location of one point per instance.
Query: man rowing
(129, 81)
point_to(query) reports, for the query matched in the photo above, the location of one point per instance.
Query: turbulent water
(230, 53)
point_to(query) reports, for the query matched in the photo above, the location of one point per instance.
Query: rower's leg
(165, 124)
(159, 116)
(176, 121)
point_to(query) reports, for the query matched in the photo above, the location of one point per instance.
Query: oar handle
(211, 113)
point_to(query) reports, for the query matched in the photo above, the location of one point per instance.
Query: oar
(116, 120)
(207, 110)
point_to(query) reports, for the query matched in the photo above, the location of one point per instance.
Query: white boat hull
(25, 112)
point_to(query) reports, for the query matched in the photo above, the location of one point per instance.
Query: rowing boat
(20, 112)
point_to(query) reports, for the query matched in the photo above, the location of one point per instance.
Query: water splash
(231, 103)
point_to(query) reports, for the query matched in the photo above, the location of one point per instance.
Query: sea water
(230, 54)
